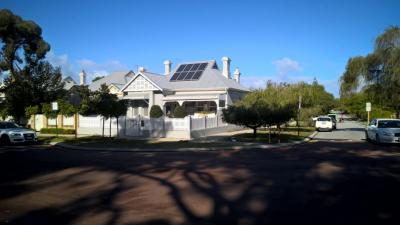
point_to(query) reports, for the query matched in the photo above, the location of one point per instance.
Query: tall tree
(376, 74)
(22, 43)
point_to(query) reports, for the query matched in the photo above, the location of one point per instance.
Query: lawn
(287, 135)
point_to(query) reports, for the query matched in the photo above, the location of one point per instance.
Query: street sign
(54, 106)
(368, 107)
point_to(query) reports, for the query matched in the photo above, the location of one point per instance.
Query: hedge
(54, 131)
(156, 111)
(179, 112)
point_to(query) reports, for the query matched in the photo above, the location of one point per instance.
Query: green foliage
(31, 110)
(103, 101)
(32, 80)
(377, 74)
(156, 111)
(119, 109)
(48, 111)
(180, 112)
(65, 108)
(55, 130)
(21, 41)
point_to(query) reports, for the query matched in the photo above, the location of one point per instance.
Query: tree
(48, 111)
(376, 74)
(31, 80)
(156, 111)
(22, 43)
(119, 109)
(180, 112)
(242, 115)
(103, 103)
(32, 111)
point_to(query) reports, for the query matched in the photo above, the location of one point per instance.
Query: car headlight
(16, 134)
(387, 133)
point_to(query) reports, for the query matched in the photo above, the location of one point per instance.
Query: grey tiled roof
(119, 79)
(210, 79)
(69, 83)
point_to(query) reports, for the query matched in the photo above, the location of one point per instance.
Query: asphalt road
(321, 182)
(348, 130)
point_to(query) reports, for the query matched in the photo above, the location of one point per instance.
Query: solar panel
(180, 68)
(188, 72)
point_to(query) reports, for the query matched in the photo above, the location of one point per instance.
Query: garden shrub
(156, 111)
(54, 131)
(179, 112)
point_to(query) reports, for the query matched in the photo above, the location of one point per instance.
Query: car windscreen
(389, 124)
(8, 125)
(324, 119)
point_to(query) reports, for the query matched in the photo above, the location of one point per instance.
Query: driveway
(348, 130)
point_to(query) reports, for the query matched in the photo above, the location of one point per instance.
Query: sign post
(54, 107)
(368, 109)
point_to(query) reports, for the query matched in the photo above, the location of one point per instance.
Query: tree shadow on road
(316, 183)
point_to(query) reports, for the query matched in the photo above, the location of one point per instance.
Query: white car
(324, 123)
(383, 131)
(12, 133)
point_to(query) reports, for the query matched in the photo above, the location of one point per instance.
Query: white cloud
(94, 69)
(285, 66)
(62, 61)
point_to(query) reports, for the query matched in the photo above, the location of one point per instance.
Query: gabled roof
(118, 79)
(69, 83)
(211, 78)
(153, 78)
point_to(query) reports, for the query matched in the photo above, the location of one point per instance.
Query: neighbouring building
(115, 81)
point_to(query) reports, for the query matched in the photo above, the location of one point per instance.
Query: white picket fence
(143, 126)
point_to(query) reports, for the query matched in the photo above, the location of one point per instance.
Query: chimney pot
(167, 67)
(226, 61)
(82, 78)
(142, 69)
(236, 75)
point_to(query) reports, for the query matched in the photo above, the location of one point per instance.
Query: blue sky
(278, 40)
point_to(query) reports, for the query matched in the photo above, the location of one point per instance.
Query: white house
(200, 87)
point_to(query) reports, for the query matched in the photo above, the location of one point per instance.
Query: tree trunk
(279, 133)
(103, 127)
(110, 126)
(34, 123)
(254, 132)
(269, 134)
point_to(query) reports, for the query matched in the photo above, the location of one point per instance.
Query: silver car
(383, 131)
(12, 133)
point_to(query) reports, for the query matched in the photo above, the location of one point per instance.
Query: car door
(371, 130)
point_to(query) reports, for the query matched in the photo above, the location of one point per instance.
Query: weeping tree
(376, 74)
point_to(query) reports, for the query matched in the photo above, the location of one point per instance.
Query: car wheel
(5, 140)
(377, 139)
(367, 137)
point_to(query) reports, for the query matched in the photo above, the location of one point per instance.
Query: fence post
(205, 122)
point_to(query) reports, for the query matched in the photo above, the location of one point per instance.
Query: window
(324, 119)
(221, 103)
(389, 124)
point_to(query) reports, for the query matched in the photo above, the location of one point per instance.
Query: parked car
(324, 123)
(11, 132)
(334, 121)
(383, 131)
